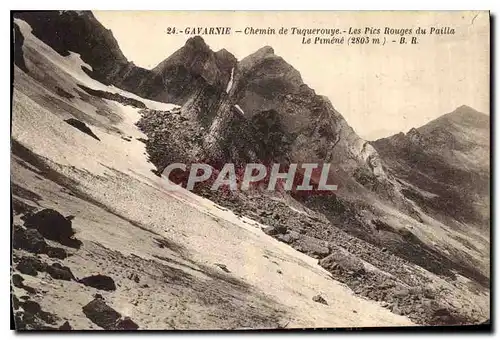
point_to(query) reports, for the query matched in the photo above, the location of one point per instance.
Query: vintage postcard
(250, 170)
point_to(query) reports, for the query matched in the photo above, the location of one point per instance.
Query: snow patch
(230, 83)
(237, 107)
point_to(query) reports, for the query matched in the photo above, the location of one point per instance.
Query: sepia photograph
(250, 170)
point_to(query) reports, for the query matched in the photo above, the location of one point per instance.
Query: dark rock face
(82, 127)
(18, 49)
(102, 282)
(193, 71)
(53, 226)
(95, 44)
(194, 64)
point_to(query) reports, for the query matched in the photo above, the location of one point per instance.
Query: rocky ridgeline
(114, 96)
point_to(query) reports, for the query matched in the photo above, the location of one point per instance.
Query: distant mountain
(444, 164)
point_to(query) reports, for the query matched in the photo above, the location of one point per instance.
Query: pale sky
(380, 90)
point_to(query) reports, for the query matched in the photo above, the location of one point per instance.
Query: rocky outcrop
(82, 127)
(114, 96)
(97, 46)
(309, 127)
(343, 262)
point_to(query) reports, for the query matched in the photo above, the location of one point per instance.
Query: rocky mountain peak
(467, 115)
(463, 116)
(264, 51)
(197, 43)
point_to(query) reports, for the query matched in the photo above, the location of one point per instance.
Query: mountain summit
(448, 157)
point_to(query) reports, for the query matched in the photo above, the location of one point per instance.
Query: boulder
(102, 282)
(56, 253)
(340, 260)
(59, 272)
(53, 226)
(32, 241)
(126, 324)
(106, 317)
(15, 302)
(312, 246)
(30, 266)
(223, 267)
(101, 314)
(319, 299)
(134, 277)
(65, 326)
(284, 238)
(17, 281)
(275, 230)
